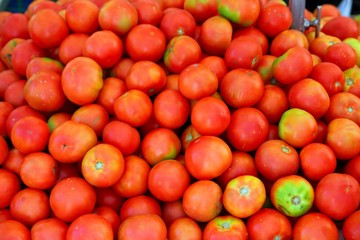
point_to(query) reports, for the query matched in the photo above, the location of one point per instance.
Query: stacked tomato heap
(178, 119)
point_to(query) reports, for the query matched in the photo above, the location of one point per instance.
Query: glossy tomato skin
(243, 12)
(352, 76)
(260, 225)
(50, 227)
(12, 229)
(352, 167)
(10, 183)
(350, 227)
(71, 46)
(149, 11)
(333, 27)
(225, 227)
(112, 89)
(287, 39)
(308, 226)
(343, 105)
(82, 17)
(248, 129)
(343, 189)
(184, 228)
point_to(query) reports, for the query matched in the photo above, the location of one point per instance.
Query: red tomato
(91, 226)
(50, 22)
(343, 137)
(260, 225)
(199, 206)
(344, 192)
(102, 165)
(107, 197)
(342, 54)
(149, 11)
(217, 65)
(82, 17)
(275, 159)
(50, 227)
(160, 144)
(350, 227)
(315, 226)
(256, 34)
(38, 64)
(103, 46)
(118, 16)
(13, 161)
(12, 229)
(244, 195)
(4, 150)
(7, 51)
(352, 167)
(248, 129)
(71, 46)
(145, 226)
(111, 216)
(57, 119)
(319, 45)
(187, 136)
(225, 227)
(139, 205)
(15, 25)
(14, 93)
(122, 68)
(335, 27)
(35, 6)
(287, 39)
(30, 206)
(201, 10)
(184, 228)
(71, 198)
(7, 77)
(5, 110)
(145, 42)
(172, 211)
(112, 89)
(344, 105)
(82, 80)
(244, 12)
(241, 88)
(10, 186)
(70, 141)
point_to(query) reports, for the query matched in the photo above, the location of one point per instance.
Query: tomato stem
(99, 165)
(296, 200)
(244, 191)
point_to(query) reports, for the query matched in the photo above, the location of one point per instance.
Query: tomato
(292, 195)
(145, 42)
(244, 195)
(248, 129)
(111, 216)
(71, 198)
(187, 136)
(344, 192)
(177, 22)
(275, 159)
(14, 26)
(315, 225)
(225, 227)
(146, 76)
(319, 45)
(7, 51)
(287, 39)
(57, 119)
(50, 22)
(201, 10)
(243, 52)
(39, 64)
(70, 141)
(5, 110)
(317, 160)
(12, 229)
(122, 136)
(181, 51)
(33, 7)
(39, 170)
(103, 46)
(113, 88)
(254, 33)
(4, 150)
(10, 186)
(107, 197)
(82, 17)
(215, 35)
(274, 19)
(7, 77)
(160, 144)
(334, 27)
(352, 81)
(149, 11)
(237, 85)
(71, 46)
(330, 76)
(344, 105)
(342, 55)
(13, 161)
(350, 226)
(273, 103)
(317, 99)
(102, 165)
(343, 137)
(244, 12)
(138, 205)
(172, 211)
(355, 44)
(30, 206)
(145, 226)
(118, 16)
(199, 206)
(184, 228)
(171, 109)
(14, 93)
(297, 127)
(352, 167)
(50, 227)
(260, 225)
(82, 80)
(122, 68)
(285, 66)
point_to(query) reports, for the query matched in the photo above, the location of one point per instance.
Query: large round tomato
(137, 205)
(10, 186)
(184, 228)
(49, 228)
(350, 227)
(13, 229)
(225, 227)
(82, 17)
(242, 12)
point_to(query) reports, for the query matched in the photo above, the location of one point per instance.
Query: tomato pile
(178, 119)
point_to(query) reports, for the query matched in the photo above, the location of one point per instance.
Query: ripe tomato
(14, 25)
(343, 137)
(350, 226)
(201, 10)
(107, 197)
(82, 80)
(297, 127)
(5, 110)
(145, 42)
(71, 46)
(244, 12)
(319, 45)
(344, 105)
(287, 39)
(12, 229)
(315, 225)
(276, 158)
(184, 228)
(217, 65)
(82, 17)
(172, 211)
(50, 227)
(71, 198)
(138, 205)
(352, 167)
(57, 119)
(244, 195)
(14, 93)
(352, 81)
(7, 77)
(102, 165)
(225, 227)
(333, 27)
(260, 225)
(342, 54)
(111, 216)
(10, 186)
(13, 161)
(149, 11)
(7, 51)
(292, 195)
(241, 88)
(187, 136)
(39, 64)
(145, 226)
(344, 192)
(29, 206)
(122, 68)
(70, 141)
(112, 89)
(248, 129)
(256, 34)
(4, 150)
(199, 206)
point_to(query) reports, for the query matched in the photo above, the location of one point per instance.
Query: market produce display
(178, 119)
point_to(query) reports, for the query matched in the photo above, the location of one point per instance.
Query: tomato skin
(12, 229)
(287, 39)
(333, 27)
(38, 64)
(352, 167)
(343, 189)
(45, 228)
(350, 227)
(343, 105)
(112, 89)
(243, 12)
(184, 228)
(259, 225)
(110, 215)
(10, 186)
(225, 227)
(342, 54)
(149, 11)
(4, 150)
(14, 26)
(82, 17)
(352, 80)
(71, 46)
